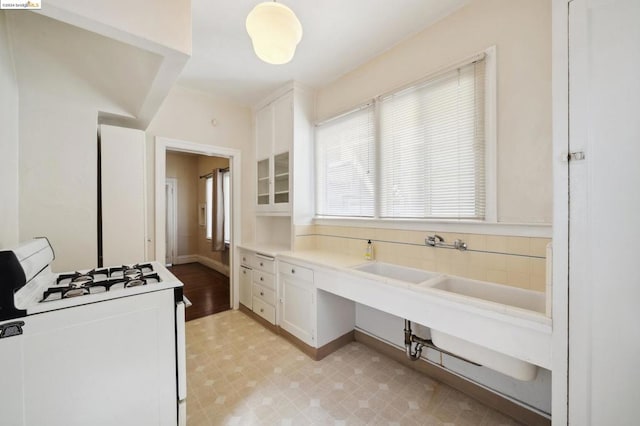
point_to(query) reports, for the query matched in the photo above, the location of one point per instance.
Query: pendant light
(275, 32)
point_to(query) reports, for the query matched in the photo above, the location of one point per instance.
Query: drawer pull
(262, 310)
(244, 259)
(261, 264)
(293, 271)
(262, 293)
(261, 278)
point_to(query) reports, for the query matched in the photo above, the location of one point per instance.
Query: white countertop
(530, 331)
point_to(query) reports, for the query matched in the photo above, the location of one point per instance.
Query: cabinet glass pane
(281, 178)
(263, 181)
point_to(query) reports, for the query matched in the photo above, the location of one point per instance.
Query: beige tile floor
(241, 373)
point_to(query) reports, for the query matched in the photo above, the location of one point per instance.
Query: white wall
(186, 115)
(167, 22)
(521, 31)
(58, 177)
(8, 142)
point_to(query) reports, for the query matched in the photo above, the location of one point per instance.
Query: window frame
(489, 154)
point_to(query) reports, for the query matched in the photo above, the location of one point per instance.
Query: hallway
(206, 288)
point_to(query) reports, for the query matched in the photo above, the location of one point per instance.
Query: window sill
(542, 230)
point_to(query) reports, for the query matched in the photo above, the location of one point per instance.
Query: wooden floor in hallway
(206, 288)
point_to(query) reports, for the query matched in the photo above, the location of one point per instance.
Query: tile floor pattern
(240, 373)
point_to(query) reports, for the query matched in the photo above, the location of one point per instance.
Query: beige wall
(205, 166)
(521, 32)
(186, 115)
(515, 261)
(8, 142)
(184, 168)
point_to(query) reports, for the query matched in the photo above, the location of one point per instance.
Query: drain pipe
(409, 339)
(414, 355)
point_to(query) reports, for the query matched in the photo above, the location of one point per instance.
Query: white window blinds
(432, 148)
(345, 165)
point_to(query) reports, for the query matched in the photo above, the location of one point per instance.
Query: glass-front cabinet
(274, 143)
(281, 178)
(263, 182)
(273, 187)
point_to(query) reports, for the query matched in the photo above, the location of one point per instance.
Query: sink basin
(396, 272)
(505, 364)
(506, 295)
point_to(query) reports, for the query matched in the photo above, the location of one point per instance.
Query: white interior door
(604, 288)
(171, 194)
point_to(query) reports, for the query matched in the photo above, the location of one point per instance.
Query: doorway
(197, 229)
(165, 147)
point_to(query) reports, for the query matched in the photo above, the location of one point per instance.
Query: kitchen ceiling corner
(338, 37)
(125, 77)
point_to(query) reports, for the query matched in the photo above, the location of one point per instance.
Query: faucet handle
(433, 240)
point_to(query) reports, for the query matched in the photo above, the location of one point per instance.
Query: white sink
(396, 272)
(486, 357)
(502, 298)
(497, 293)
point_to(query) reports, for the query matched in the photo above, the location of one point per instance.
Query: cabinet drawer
(247, 258)
(296, 271)
(264, 279)
(265, 310)
(267, 295)
(264, 263)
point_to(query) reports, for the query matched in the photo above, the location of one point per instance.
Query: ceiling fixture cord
(275, 32)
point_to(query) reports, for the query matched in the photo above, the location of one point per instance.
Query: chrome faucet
(437, 241)
(433, 240)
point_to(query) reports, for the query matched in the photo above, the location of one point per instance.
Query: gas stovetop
(100, 280)
(28, 286)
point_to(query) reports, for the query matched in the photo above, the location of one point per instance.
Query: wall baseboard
(217, 266)
(187, 258)
(314, 353)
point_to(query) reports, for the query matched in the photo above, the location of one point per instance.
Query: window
(345, 166)
(226, 191)
(430, 150)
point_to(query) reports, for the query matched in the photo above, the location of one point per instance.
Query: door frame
(173, 226)
(234, 155)
(560, 256)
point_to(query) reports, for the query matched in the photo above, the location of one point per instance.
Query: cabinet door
(264, 133)
(123, 194)
(245, 286)
(297, 302)
(283, 124)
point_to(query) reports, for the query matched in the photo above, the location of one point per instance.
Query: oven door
(102, 364)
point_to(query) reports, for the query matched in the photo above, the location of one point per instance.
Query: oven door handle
(181, 357)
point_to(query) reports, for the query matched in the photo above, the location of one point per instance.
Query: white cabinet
(264, 287)
(247, 260)
(274, 140)
(122, 155)
(245, 286)
(297, 302)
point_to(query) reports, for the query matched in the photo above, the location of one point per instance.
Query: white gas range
(99, 347)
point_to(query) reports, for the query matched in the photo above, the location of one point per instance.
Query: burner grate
(81, 284)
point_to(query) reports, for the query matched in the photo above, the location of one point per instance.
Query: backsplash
(514, 261)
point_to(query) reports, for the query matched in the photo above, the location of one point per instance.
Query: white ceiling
(338, 36)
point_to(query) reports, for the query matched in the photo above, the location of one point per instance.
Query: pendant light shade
(275, 32)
